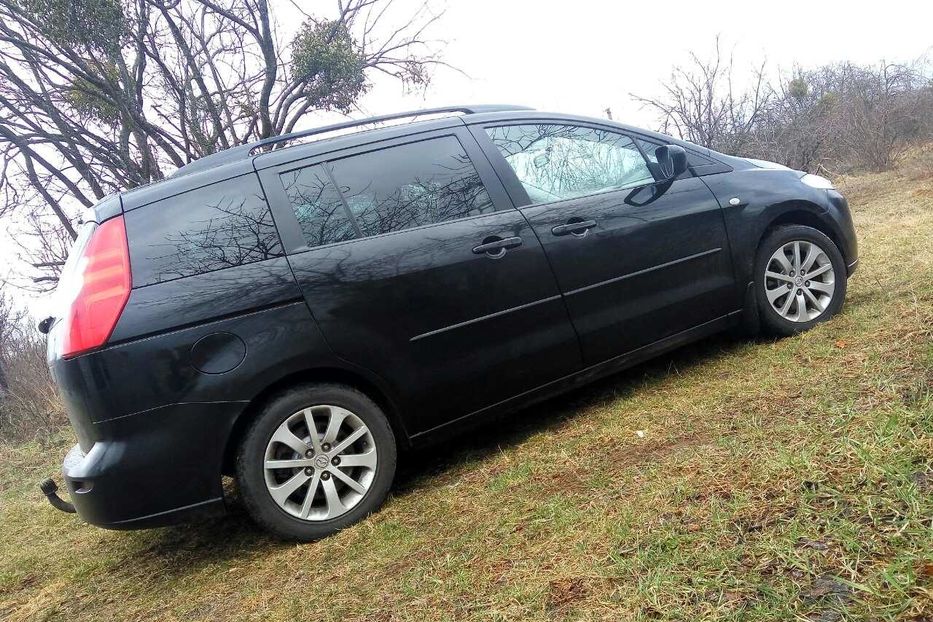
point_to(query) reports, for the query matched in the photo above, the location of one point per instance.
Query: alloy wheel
(320, 462)
(799, 281)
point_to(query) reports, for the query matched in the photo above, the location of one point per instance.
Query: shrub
(835, 118)
(29, 405)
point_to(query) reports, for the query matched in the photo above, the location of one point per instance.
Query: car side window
(555, 161)
(649, 147)
(321, 214)
(391, 189)
(411, 185)
(219, 226)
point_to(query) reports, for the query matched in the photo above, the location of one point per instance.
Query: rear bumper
(99, 494)
(153, 468)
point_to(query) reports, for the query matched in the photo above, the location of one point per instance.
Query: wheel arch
(333, 375)
(800, 213)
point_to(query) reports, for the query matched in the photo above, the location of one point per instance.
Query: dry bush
(29, 405)
(836, 118)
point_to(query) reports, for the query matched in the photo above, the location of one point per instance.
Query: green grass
(776, 480)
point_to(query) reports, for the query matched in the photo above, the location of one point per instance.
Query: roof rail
(241, 151)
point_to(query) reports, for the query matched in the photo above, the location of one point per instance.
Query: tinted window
(555, 162)
(411, 185)
(321, 214)
(223, 225)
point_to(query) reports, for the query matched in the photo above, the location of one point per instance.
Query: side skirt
(577, 379)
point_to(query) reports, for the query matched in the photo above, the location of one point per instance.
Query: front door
(636, 263)
(419, 269)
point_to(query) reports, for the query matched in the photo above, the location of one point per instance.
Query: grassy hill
(732, 480)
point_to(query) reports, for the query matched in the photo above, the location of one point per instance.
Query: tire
(823, 296)
(276, 496)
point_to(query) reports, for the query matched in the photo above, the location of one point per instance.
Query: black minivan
(297, 310)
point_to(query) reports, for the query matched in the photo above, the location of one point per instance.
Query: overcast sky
(583, 56)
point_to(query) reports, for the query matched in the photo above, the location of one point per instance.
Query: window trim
(286, 219)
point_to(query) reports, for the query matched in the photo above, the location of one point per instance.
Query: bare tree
(102, 95)
(702, 104)
(832, 118)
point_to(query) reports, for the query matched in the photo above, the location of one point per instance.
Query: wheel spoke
(287, 437)
(309, 495)
(777, 292)
(349, 481)
(335, 506)
(367, 460)
(781, 258)
(797, 257)
(786, 307)
(282, 492)
(352, 438)
(813, 251)
(779, 276)
(801, 307)
(312, 430)
(337, 415)
(813, 299)
(820, 270)
(288, 464)
(820, 286)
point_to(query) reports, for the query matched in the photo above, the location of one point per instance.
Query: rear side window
(219, 226)
(555, 162)
(411, 185)
(391, 189)
(321, 213)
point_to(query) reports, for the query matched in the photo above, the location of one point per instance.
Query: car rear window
(219, 226)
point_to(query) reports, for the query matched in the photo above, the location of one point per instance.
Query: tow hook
(50, 490)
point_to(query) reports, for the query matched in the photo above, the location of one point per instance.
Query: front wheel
(317, 459)
(800, 279)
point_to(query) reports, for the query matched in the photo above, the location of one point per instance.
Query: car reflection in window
(555, 162)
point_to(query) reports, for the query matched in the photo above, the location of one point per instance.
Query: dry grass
(787, 479)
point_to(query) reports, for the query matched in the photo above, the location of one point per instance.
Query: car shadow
(499, 432)
(233, 539)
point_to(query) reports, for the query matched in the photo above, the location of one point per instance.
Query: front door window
(555, 162)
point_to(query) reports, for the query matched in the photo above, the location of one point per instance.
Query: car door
(636, 262)
(417, 267)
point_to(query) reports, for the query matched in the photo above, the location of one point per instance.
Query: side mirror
(672, 161)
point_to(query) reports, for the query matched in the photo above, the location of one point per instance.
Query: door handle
(575, 227)
(496, 247)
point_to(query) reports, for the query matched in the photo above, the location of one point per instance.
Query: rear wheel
(800, 279)
(318, 458)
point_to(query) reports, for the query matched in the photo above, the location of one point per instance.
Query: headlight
(815, 181)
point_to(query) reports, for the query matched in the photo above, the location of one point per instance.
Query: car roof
(238, 160)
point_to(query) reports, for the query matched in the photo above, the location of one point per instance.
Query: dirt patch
(827, 588)
(564, 591)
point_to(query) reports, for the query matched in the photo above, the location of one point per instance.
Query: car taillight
(102, 286)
